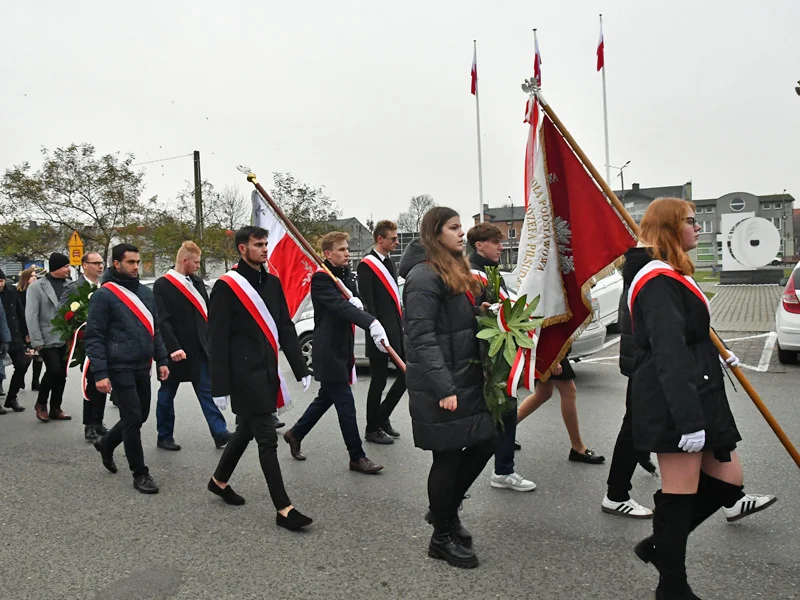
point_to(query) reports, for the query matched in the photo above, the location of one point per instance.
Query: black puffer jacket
(677, 383)
(442, 359)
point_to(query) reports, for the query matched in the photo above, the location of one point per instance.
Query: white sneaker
(747, 506)
(630, 508)
(512, 482)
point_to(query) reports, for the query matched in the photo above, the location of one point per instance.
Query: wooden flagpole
(251, 177)
(531, 87)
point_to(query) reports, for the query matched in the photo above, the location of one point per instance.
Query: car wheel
(307, 348)
(786, 357)
(614, 328)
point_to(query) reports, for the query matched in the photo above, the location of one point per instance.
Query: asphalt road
(69, 529)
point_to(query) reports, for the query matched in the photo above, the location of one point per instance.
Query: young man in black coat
(244, 367)
(122, 341)
(15, 317)
(486, 240)
(183, 316)
(335, 319)
(377, 286)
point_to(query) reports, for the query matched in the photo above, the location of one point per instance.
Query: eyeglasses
(691, 221)
(96, 263)
(394, 238)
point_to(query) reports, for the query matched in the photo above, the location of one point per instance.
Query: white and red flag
(532, 118)
(474, 73)
(571, 235)
(601, 59)
(286, 259)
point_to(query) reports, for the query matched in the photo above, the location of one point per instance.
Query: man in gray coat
(40, 310)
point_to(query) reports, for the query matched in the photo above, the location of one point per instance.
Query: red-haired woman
(444, 376)
(678, 402)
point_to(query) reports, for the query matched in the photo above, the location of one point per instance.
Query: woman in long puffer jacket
(678, 402)
(445, 377)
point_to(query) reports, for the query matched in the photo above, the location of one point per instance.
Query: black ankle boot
(463, 535)
(672, 523)
(446, 545)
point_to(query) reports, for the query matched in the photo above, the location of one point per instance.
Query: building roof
(668, 191)
(503, 213)
(777, 197)
(338, 224)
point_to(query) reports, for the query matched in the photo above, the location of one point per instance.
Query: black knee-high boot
(671, 526)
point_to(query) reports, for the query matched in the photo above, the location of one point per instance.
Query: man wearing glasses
(377, 285)
(93, 410)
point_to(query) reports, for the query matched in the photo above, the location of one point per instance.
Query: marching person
(182, 303)
(377, 287)
(678, 402)
(335, 319)
(26, 278)
(122, 341)
(5, 341)
(18, 336)
(486, 240)
(445, 377)
(41, 308)
(249, 321)
(93, 409)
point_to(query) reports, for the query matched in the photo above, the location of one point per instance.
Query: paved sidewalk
(744, 308)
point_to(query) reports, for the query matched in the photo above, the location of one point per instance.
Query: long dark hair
(452, 267)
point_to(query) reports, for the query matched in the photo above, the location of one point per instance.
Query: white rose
(74, 306)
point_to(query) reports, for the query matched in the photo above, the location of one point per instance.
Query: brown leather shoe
(294, 446)
(41, 413)
(60, 416)
(365, 465)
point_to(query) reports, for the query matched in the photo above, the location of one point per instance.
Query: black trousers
(55, 377)
(132, 397)
(17, 356)
(452, 474)
(625, 458)
(94, 409)
(379, 412)
(262, 428)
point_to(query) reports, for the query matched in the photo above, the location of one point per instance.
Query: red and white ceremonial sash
(481, 276)
(655, 268)
(380, 270)
(135, 304)
(85, 362)
(188, 290)
(347, 296)
(255, 305)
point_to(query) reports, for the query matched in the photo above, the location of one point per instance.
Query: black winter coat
(115, 338)
(378, 301)
(183, 327)
(677, 385)
(242, 362)
(15, 315)
(442, 359)
(334, 318)
(627, 347)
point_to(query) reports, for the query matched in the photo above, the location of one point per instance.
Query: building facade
(509, 220)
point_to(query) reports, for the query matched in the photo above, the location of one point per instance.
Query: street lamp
(621, 174)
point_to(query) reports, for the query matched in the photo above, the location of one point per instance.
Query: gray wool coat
(41, 308)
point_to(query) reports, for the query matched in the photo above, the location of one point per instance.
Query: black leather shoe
(107, 458)
(646, 551)
(294, 521)
(223, 440)
(11, 402)
(445, 545)
(3, 411)
(145, 484)
(100, 429)
(89, 433)
(277, 421)
(589, 457)
(168, 444)
(365, 465)
(517, 445)
(225, 493)
(464, 536)
(389, 430)
(378, 437)
(294, 446)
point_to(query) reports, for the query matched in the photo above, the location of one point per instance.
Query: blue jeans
(504, 445)
(341, 396)
(165, 407)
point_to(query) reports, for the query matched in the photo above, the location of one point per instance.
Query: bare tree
(307, 207)
(411, 219)
(229, 209)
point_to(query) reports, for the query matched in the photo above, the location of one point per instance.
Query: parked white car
(607, 292)
(787, 320)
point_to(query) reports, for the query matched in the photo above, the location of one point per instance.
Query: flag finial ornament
(251, 177)
(532, 87)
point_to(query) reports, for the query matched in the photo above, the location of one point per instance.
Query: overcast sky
(371, 98)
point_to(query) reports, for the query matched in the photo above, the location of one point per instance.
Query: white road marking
(747, 337)
(610, 343)
(766, 355)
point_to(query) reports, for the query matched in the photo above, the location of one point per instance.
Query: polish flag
(474, 73)
(286, 259)
(601, 61)
(532, 118)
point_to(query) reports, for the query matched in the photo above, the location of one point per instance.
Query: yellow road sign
(75, 246)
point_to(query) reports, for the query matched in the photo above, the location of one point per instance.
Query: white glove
(693, 442)
(378, 334)
(222, 402)
(731, 361)
(306, 381)
(357, 303)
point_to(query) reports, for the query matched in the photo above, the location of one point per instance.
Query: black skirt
(567, 373)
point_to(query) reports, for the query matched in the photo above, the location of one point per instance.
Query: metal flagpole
(478, 117)
(605, 104)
